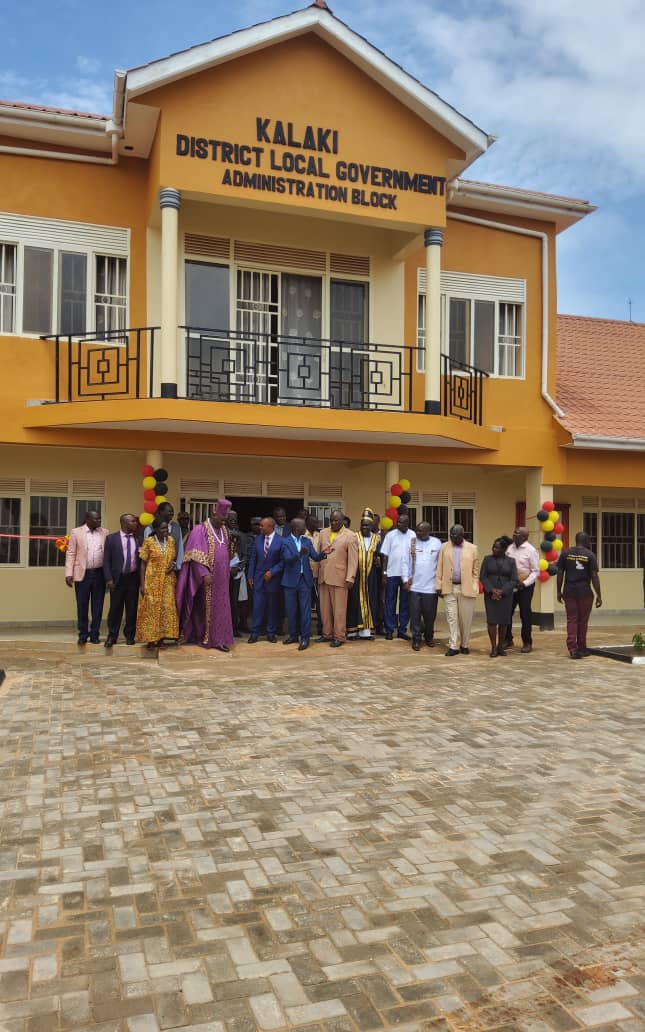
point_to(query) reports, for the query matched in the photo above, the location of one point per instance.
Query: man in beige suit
(335, 578)
(84, 572)
(458, 582)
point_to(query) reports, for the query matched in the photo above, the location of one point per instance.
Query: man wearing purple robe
(203, 599)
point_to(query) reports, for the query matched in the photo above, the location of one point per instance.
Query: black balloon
(553, 569)
(160, 474)
(546, 546)
(405, 497)
(550, 535)
(402, 510)
(542, 514)
(161, 489)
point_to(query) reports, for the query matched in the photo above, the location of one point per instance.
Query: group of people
(204, 586)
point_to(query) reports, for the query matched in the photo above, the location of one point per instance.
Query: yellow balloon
(160, 499)
(145, 519)
(547, 526)
(405, 484)
(554, 516)
(149, 482)
(543, 564)
(393, 502)
(557, 545)
(386, 523)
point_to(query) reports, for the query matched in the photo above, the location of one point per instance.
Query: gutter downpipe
(557, 411)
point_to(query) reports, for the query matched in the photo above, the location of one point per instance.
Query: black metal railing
(99, 366)
(255, 368)
(462, 390)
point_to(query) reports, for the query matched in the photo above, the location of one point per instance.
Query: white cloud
(83, 92)
(88, 65)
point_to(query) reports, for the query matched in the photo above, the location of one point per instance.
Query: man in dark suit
(298, 582)
(265, 569)
(121, 570)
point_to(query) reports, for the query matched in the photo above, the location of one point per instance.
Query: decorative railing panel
(462, 390)
(113, 364)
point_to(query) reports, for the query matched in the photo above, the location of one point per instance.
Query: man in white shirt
(395, 548)
(527, 562)
(419, 573)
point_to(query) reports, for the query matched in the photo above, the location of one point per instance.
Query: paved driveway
(343, 839)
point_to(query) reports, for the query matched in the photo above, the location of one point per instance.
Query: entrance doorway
(246, 508)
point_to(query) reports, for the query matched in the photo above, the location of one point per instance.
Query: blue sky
(560, 83)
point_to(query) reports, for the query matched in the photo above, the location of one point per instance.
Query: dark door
(348, 360)
(210, 354)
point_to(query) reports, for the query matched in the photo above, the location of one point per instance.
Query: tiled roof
(601, 376)
(51, 110)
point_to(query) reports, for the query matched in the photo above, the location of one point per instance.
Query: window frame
(598, 513)
(5, 284)
(25, 497)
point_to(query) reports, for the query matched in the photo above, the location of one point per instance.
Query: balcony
(260, 369)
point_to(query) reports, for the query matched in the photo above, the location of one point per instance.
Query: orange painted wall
(304, 81)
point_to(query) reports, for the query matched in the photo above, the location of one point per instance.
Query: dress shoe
(95, 641)
(585, 652)
(431, 643)
(289, 641)
(272, 638)
(82, 640)
(303, 645)
(322, 638)
(501, 651)
(402, 634)
(416, 645)
(575, 655)
(109, 642)
(253, 639)
(493, 653)
(222, 648)
(451, 652)
(131, 641)
(464, 652)
(336, 644)
(524, 649)
(388, 636)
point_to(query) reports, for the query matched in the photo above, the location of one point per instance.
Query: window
(467, 519)
(7, 287)
(618, 540)
(37, 290)
(110, 298)
(442, 517)
(9, 524)
(85, 505)
(421, 333)
(640, 539)
(72, 280)
(47, 518)
(590, 527)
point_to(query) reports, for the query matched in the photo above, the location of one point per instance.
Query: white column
(391, 477)
(433, 239)
(170, 203)
(154, 458)
(544, 595)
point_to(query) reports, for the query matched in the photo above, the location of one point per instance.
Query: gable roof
(601, 381)
(318, 19)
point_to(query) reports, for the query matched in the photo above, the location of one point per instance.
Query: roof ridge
(601, 318)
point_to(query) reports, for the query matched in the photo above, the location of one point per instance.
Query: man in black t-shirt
(578, 569)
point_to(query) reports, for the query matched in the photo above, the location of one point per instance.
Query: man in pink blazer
(84, 572)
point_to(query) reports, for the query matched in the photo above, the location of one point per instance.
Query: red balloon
(147, 471)
(149, 494)
(396, 490)
(548, 506)
(150, 506)
(543, 576)
(392, 513)
(558, 528)
(552, 556)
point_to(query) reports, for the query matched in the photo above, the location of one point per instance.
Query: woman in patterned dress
(157, 613)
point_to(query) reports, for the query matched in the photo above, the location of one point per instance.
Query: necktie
(266, 545)
(128, 553)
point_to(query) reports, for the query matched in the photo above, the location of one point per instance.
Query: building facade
(267, 272)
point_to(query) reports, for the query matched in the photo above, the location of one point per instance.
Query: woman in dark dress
(498, 575)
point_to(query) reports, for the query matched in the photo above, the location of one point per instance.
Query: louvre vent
(273, 254)
(415, 498)
(199, 488)
(493, 288)
(591, 501)
(435, 497)
(282, 490)
(465, 498)
(12, 486)
(88, 488)
(249, 488)
(349, 264)
(207, 246)
(320, 492)
(60, 233)
(618, 504)
(49, 487)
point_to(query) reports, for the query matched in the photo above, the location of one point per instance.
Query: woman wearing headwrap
(203, 597)
(363, 599)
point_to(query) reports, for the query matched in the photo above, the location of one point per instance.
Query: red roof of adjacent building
(601, 376)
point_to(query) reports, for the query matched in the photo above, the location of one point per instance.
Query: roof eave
(563, 211)
(55, 119)
(605, 443)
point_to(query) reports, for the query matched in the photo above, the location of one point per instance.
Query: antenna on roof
(629, 304)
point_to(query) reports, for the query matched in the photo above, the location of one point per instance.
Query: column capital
(433, 237)
(169, 198)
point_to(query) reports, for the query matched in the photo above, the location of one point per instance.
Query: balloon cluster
(62, 543)
(397, 503)
(155, 490)
(551, 546)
